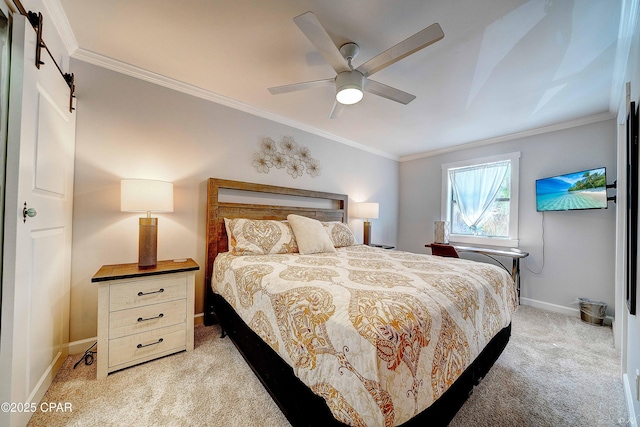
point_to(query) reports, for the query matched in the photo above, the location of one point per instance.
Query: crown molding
(186, 88)
(60, 21)
(582, 121)
(177, 85)
(628, 23)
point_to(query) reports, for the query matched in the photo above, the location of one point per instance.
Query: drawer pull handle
(159, 291)
(159, 316)
(153, 343)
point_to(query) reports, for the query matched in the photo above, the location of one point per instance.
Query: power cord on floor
(87, 357)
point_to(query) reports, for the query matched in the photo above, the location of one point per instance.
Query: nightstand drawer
(141, 319)
(137, 293)
(147, 344)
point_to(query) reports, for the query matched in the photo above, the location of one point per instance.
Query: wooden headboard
(217, 240)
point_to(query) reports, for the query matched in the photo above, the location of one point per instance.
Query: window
(480, 200)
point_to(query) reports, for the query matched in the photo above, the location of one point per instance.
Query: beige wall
(572, 254)
(128, 128)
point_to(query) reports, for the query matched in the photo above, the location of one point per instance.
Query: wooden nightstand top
(126, 271)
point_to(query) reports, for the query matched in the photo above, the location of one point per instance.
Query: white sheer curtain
(475, 188)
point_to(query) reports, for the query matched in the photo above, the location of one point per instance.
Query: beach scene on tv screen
(580, 190)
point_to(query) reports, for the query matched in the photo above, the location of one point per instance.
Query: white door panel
(50, 148)
(37, 250)
(47, 305)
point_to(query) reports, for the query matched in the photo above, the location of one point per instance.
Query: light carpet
(555, 371)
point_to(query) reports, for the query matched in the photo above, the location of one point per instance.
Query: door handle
(30, 212)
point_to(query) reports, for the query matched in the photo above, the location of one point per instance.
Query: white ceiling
(503, 67)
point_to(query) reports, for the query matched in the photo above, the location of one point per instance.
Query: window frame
(445, 205)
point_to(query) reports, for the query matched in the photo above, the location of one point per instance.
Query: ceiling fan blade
(388, 92)
(301, 86)
(315, 32)
(418, 41)
(336, 110)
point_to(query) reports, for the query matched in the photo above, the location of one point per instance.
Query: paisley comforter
(379, 334)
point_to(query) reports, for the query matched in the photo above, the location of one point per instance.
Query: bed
(354, 335)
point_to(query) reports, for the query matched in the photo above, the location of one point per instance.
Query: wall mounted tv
(572, 191)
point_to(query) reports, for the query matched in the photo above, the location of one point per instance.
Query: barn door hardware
(35, 19)
(71, 81)
(36, 22)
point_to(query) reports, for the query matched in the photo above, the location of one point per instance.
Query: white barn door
(37, 248)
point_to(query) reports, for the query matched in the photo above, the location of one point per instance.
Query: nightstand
(144, 314)
(375, 245)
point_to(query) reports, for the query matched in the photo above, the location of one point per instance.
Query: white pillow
(310, 235)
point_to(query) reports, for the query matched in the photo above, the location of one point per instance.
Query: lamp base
(367, 233)
(148, 243)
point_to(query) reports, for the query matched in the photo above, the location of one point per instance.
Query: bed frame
(298, 403)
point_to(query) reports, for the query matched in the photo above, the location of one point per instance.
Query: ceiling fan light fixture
(349, 95)
(349, 87)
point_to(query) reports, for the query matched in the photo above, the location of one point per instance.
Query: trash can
(592, 311)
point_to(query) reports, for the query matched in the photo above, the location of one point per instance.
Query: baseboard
(198, 319)
(41, 388)
(555, 308)
(80, 346)
(569, 311)
(634, 419)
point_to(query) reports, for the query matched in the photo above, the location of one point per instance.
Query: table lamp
(367, 211)
(146, 195)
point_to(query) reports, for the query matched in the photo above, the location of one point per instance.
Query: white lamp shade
(367, 210)
(146, 195)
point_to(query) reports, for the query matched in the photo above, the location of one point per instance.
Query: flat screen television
(572, 191)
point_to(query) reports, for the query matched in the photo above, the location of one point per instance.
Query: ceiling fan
(349, 82)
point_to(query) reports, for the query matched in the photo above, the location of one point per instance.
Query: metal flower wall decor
(287, 154)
